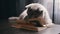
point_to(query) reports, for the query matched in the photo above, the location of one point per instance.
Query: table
(52, 30)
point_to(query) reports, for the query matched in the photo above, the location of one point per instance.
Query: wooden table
(52, 30)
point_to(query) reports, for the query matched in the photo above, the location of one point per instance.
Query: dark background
(8, 8)
(12, 7)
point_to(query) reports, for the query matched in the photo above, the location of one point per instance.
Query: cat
(38, 7)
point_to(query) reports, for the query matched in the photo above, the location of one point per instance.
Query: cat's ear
(29, 9)
(38, 9)
(41, 12)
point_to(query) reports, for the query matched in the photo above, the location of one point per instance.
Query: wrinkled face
(34, 13)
